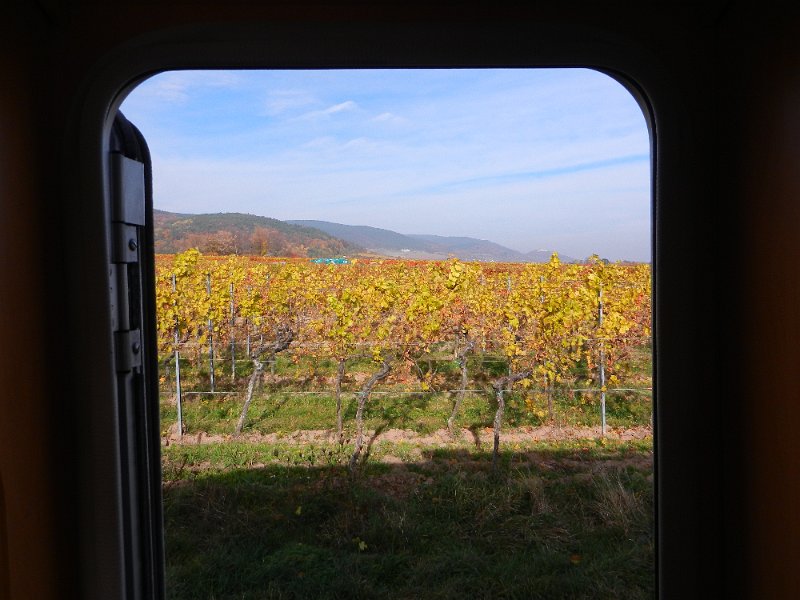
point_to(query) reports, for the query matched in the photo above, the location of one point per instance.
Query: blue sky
(553, 159)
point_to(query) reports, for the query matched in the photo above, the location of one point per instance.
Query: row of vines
(541, 319)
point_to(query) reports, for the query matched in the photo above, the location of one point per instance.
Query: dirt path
(481, 437)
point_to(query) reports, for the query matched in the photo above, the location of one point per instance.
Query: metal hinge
(128, 192)
(127, 215)
(128, 348)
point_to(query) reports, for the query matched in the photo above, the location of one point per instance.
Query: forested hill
(237, 233)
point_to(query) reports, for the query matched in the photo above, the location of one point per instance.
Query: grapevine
(542, 319)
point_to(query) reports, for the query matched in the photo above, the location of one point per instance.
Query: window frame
(680, 505)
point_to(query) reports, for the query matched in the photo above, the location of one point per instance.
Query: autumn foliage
(540, 320)
(542, 317)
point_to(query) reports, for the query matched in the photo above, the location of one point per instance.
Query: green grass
(560, 520)
(299, 396)
(283, 412)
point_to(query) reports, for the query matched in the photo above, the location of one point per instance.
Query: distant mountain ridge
(363, 235)
(237, 233)
(391, 243)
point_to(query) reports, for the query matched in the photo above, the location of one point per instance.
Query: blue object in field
(330, 261)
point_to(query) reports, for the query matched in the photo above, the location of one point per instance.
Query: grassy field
(277, 514)
(559, 520)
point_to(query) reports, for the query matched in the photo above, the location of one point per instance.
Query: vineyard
(419, 327)
(341, 428)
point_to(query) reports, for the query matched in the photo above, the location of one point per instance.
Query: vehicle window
(404, 332)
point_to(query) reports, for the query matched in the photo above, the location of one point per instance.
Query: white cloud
(176, 87)
(347, 105)
(388, 117)
(280, 101)
(359, 143)
(171, 91)
(325, 141)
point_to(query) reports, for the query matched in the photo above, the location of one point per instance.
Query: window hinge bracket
(128, 350)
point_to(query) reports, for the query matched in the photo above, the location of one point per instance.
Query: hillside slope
(391, 243)
(237, 233)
